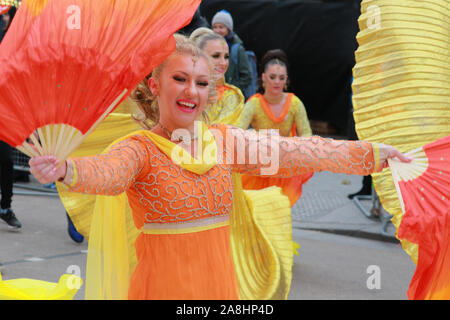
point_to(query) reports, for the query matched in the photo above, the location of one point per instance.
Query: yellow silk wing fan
(401, 87)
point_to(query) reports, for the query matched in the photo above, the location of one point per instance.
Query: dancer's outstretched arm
(108, 174)
(257, 153)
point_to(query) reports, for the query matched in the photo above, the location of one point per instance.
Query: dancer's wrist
(67, 175)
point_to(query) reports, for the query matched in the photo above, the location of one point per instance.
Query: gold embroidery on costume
(299, 155)
(163, 192)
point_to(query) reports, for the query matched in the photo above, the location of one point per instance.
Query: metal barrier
(20, 161)
(21, 164)
(376, 212)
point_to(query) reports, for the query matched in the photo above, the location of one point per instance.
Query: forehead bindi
(276, 69)
(191, 65)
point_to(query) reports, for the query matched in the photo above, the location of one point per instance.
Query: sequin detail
(160, 191)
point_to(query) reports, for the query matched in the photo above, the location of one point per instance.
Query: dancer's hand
(390, 152)
(47, 169)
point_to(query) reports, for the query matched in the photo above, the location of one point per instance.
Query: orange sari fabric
(184, 266)
(189, 264)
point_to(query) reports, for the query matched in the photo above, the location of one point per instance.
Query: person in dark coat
(239, 75)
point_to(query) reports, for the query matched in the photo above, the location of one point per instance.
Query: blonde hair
(202, 36)
(147, 101)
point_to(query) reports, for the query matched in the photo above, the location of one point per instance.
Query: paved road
(339, 267)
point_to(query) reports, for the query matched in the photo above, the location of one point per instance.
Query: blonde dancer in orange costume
(230, 100)
(189, 223)
(274, 109)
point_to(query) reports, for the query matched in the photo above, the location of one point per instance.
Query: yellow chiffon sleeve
(111, 255)
(301, 118)
(248, 113)
(229, 108)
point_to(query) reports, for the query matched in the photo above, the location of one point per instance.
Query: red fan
(66, 64)
(423, 187)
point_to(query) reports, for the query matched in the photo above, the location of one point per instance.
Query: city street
(333, 266)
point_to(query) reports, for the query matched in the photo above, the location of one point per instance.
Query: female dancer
(227, 109)
(191, 232)
(274, 109)
(230, 100)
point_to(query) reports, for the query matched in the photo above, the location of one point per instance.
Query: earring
(205, 117)
(285, 87)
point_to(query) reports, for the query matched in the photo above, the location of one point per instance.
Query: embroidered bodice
(160, 191)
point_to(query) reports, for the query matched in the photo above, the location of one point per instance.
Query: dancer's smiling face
(218, 50)
(182, 88)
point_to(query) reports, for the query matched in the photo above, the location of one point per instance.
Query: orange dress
(292, 121)
(164, 197)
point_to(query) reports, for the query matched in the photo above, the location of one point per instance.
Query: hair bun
(272, 55)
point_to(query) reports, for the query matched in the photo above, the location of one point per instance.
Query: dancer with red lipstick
(230, 100)
(274, 108)
(168, 229)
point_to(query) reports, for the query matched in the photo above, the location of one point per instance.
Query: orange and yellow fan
(401, 90)
(423, 188)
(66, 64)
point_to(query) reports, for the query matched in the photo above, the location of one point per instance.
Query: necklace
(177, 137)
(274, 101)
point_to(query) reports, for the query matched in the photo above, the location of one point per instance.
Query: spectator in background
(5, 22)
(240, 74)
(6, 184)
(6, 159)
